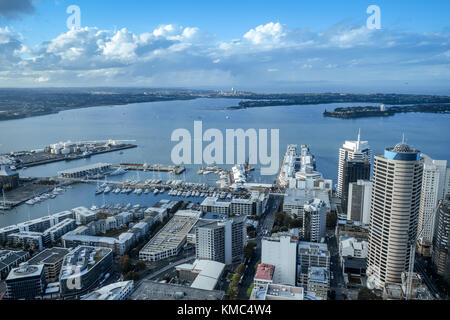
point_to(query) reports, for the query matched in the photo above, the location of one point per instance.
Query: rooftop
(109, 292)
(313, 248)
(84, 258)
(151, 290)
(49, 256)
(85, 168)
(25, 271)
(173, 233)
(214, 202)
(318, 274)
(277, 292)
(265, 272)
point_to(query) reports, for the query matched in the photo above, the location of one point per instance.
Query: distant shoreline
(25, 103)
(369, 111)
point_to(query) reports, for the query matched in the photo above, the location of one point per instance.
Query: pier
(67, 152)
(153, 167)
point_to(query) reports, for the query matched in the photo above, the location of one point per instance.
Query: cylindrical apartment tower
(394, 212)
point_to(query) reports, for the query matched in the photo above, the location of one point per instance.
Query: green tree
(131, 276)
(140, 266)
(249, 249)
(125, 264)
(296, 223)
(331, 220)
(250, 289)
(240, 269)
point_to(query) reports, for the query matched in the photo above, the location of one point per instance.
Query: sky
(263, 46)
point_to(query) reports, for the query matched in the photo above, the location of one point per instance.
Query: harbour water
(151, 125)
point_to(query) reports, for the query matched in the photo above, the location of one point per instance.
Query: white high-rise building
(314, 220)
(394, 214)
(434, 188)
(359, 200)
(351, 150)
(280, 250)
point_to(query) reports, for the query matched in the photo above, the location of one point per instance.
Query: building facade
(280, 250)
(434, 189)
(347, 152)
(441, 240)
(394, 214)
(25, 282)
(354, 170)
(222, 241)
(359, 200)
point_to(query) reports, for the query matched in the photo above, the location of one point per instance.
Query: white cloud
(270, 33)
(174, 55)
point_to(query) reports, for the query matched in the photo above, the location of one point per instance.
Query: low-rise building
(204, 274)
(352, 229)
(25, 282)
(10, 259)
(318, 282)
(61, 228)
(115, 291)
(152, 290)
(311, 254)
(6, 231)
(83, 267)
(52, 259)
(32, 239)
(84, 215)
(171, 238)
(264, 274)
(277, 292)
(212, 204)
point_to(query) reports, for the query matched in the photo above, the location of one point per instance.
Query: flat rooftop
(313, 248)
(25, 271)
(318, 274)
(152, 290)
(214, 202)
(265, 272)
(173, 233)
(49, 256)
(94, 166)
(83, 257)
(109, 292)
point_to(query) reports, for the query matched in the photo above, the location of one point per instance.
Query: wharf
(153, 167)
(30, 159)
(28, 190)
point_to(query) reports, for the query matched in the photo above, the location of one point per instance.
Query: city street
(337, 283)
(266, 223)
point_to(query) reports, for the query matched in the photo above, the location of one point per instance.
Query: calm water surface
(151, 125)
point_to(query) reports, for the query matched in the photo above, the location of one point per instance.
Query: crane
(412, 253)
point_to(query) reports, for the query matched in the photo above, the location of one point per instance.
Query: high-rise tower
(394, 213)
(434, 188)
(351, 150)
(441, 240)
